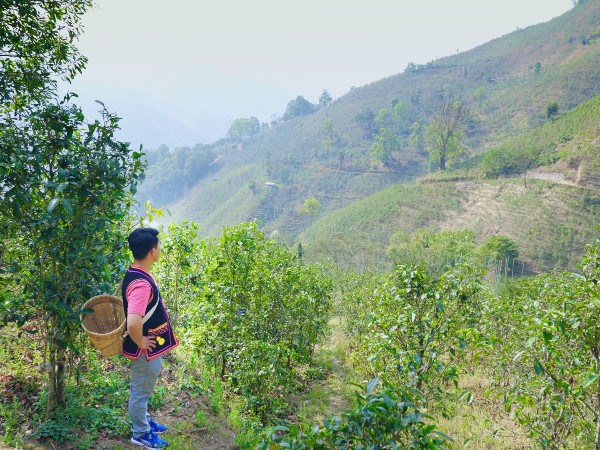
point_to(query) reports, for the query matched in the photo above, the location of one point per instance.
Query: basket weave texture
(106, 325)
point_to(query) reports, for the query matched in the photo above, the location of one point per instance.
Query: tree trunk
(443, 157)
(598, 419)
(56, 370)
(223, 367)
(442, 163)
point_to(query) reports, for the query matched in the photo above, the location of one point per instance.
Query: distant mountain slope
(508, 84)
(550, 222)
(567, 146)
(551, 209)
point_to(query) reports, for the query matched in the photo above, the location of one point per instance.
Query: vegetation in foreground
(255, 318)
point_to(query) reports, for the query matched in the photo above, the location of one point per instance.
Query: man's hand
(134, 327)
(148, 343)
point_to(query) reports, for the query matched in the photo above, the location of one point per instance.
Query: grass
(332, 394)
(219, 201)
(568, 139)
(96, 414)
(483, 423)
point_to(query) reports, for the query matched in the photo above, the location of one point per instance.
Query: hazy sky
(197, 65)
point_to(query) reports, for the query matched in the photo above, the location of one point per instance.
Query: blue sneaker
(156, 428)
(149, 440)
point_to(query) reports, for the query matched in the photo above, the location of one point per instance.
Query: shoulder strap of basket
(146, 317)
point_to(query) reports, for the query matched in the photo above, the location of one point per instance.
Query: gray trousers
(144, 374)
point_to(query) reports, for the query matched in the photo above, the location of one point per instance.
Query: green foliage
(442, 250)
(509, 160)
(547, 355)
(567, 138)
(385, 419)
(175, 171)
(178, 268)
(411, 329)
(298, 107)
(417, 136)
(366, 122)
(217, 398)
(445, 133)
(312, 207)
(325, 98)
(392, 128)
(96, 404)
(242, 129)
(200, 419)
(67, 184)
(552, 110)
(331, 137)
(385, 143)
(260, 311)
(437, 250)
(36, 45)
(499, 248)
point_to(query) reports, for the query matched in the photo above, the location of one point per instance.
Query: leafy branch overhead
(37, 44)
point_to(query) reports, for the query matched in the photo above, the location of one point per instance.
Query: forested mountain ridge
(374, 136)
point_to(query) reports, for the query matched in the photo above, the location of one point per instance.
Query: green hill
(507, 84)
(551, 210)
(550, 222)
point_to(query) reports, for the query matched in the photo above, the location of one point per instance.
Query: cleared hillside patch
(551, 223)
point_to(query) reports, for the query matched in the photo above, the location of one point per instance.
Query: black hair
(141, 241)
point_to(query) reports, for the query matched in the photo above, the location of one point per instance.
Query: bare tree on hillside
(445, 133)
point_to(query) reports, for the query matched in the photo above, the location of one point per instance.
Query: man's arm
(135, 330)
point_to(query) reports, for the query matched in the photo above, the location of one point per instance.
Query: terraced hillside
(550, 222)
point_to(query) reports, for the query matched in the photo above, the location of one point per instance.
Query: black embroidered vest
(158, 324)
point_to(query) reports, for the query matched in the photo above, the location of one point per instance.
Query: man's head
(143, 243)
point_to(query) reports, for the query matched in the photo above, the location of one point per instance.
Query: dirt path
(330, 396)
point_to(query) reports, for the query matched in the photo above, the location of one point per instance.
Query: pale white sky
(192, 66)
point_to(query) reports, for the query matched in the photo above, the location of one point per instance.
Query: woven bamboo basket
(106, 325)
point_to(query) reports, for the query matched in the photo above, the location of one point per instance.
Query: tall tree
(385, 143)
(552, 110)
(66, 188)
(331, 136)
(325, 98)
(244, 128)
(445, 132)
(298, 107)
(417, 136)
(386, 139)
(366, 122)
(65, 184)
(312, 207)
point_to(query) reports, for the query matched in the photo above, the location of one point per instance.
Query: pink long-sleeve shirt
(139, 295)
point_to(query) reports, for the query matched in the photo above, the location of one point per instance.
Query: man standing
(149, 335)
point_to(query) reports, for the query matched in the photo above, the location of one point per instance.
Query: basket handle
(119, 286)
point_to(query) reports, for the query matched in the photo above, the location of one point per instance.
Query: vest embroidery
(158, 324)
